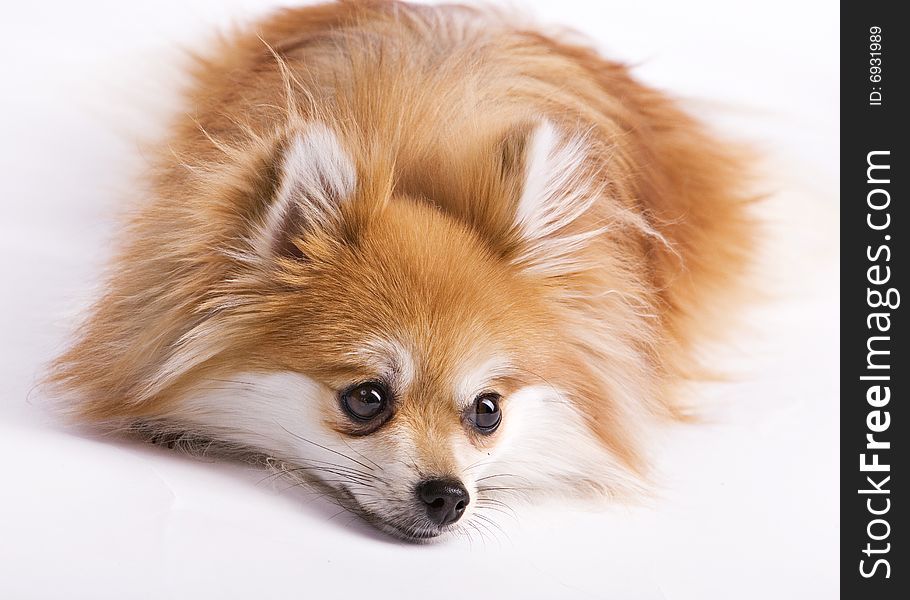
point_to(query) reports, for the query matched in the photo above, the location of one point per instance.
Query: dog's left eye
(486, 415)
(364, 401)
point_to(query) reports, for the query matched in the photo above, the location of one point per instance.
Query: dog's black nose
(445, 499)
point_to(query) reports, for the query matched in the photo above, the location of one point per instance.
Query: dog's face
(414, 341)
(397, 357)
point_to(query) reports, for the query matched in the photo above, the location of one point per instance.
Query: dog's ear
(555, 189)
(315, 176)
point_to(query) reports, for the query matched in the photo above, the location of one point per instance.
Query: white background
(747, 506)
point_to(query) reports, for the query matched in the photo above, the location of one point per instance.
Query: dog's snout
(444, 499)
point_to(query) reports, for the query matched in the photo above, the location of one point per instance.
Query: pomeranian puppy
(422, 256)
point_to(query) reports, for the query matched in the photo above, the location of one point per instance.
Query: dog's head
(428, 359)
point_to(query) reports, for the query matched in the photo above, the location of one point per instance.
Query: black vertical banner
(875, 373)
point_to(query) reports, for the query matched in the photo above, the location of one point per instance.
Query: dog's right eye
(365, 401)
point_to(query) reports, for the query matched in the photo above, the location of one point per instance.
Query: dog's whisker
(303, 439)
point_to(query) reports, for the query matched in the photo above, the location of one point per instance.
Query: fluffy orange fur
(436, 108)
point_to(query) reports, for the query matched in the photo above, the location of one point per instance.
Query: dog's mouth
(409, 533)
(405, 522)
(406, 525)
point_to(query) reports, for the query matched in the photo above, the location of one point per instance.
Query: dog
(423, 257)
